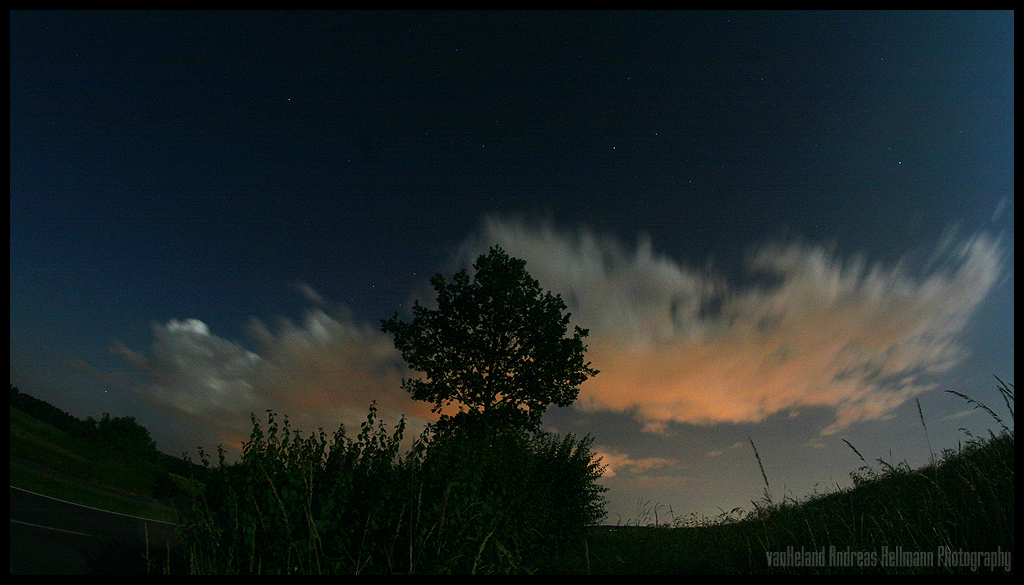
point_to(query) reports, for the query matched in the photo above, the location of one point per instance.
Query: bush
(456, 502)
(523, 497)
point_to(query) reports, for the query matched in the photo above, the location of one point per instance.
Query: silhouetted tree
(125, 437)
(497, 345)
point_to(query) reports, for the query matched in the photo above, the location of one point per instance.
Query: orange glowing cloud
(675, 345)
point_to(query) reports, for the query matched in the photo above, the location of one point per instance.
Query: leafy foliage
(497, 345)
(122, 435)
(310, 505)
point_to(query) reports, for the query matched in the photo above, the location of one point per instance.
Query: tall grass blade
(1007, 393)
(848, 444)
(982, 406)
(767, 486)
(931, 453)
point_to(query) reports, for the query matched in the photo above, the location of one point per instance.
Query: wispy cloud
(310, 294)
(321, 372)
(615, 461)
(676, 345)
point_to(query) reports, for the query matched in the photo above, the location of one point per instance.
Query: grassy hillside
(955, 516)
(71, 464)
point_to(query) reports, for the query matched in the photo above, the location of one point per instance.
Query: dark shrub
(457, 501)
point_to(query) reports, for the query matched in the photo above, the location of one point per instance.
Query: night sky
(785, 228)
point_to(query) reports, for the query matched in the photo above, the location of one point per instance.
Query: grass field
(954, 516)
(46, 461)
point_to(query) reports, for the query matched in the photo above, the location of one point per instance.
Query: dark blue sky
(320, 167)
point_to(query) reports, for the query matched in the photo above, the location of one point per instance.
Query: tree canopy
(496, 345)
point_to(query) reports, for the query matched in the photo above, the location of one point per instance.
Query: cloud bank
(321, 373)
(674, 344)
(677, 345)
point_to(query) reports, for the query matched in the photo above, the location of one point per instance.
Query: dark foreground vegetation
(954, 516)
(462, 501)
(336, 504)
(529, 505)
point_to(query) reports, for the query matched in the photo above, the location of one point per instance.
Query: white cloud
(195, 372)
(189, 325)
(615, 461)
(322, 373)
(675, 345)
